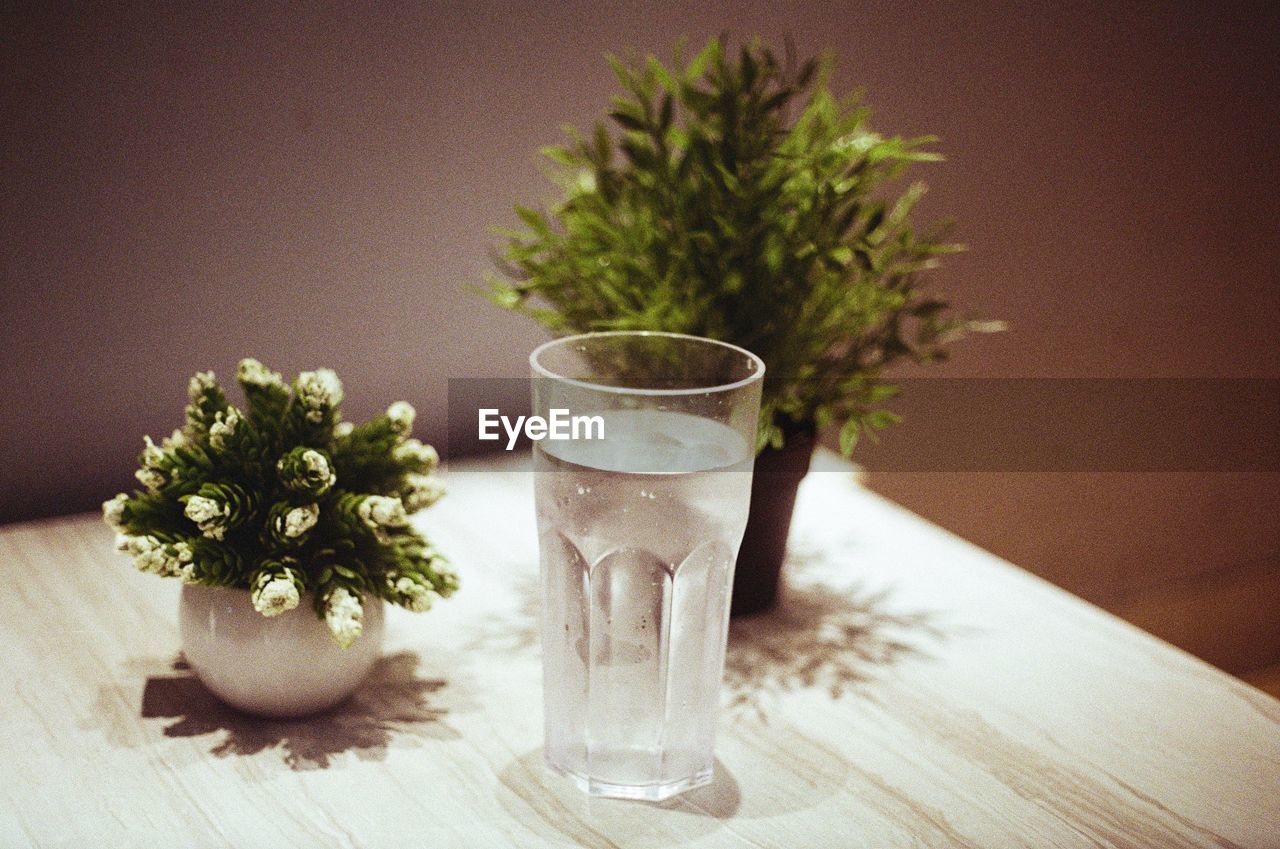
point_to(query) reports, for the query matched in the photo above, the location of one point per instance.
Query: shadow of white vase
(282, 666)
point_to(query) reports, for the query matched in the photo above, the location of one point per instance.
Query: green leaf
(557, 154)
(664, 117)
(661, 74)
(628, 121)
(709, 55)
(881, 392)
(881, 419)
(875, 219)
(534, 219)
(848, 437)
(620, 69)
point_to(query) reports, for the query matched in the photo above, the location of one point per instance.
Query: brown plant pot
(778, 473)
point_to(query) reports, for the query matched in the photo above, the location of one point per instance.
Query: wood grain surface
(912, 691)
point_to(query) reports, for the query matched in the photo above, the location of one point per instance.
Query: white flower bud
(319, 391)
(423, 491)
(200, 383)
(402, 415)
(177, 439)
(208, 514)
(253, 373)
(412, 450)
(224, 425)
(148, 554)
(344, 615)
(378, 511)
(185, 557)
(275, 596)
(299, 520)
(318, 465)
(113, 510)
(343, 429)
(152, 454)
(417, 597)
(151, 475)
(152, 479)
(155, 557)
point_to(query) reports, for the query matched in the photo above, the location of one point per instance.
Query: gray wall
(187, 185)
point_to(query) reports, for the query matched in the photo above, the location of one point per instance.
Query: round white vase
(282, 666)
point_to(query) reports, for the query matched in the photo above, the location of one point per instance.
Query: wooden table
(913, 691)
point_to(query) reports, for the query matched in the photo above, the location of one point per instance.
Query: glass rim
(542, 371)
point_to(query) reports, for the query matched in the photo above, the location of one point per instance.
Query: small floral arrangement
(284, 498)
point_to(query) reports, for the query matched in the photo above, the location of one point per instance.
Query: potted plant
(737, 198)
(288, 528)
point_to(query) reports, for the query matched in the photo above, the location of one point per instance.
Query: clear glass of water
(640, 515)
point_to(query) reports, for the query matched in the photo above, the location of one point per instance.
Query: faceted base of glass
(643, 792)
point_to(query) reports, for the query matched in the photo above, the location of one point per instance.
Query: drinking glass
(639, 523)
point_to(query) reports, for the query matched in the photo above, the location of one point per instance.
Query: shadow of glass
(719, 800)
(393, 701)
(553, 807)
(834, 639)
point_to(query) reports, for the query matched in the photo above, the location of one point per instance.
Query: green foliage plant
(705, 209)
(284, 498)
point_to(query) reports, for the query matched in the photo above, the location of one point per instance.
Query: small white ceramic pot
(282, 666)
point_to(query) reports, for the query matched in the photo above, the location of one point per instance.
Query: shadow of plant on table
(837, 639)
(512, 625)
(392, 702)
